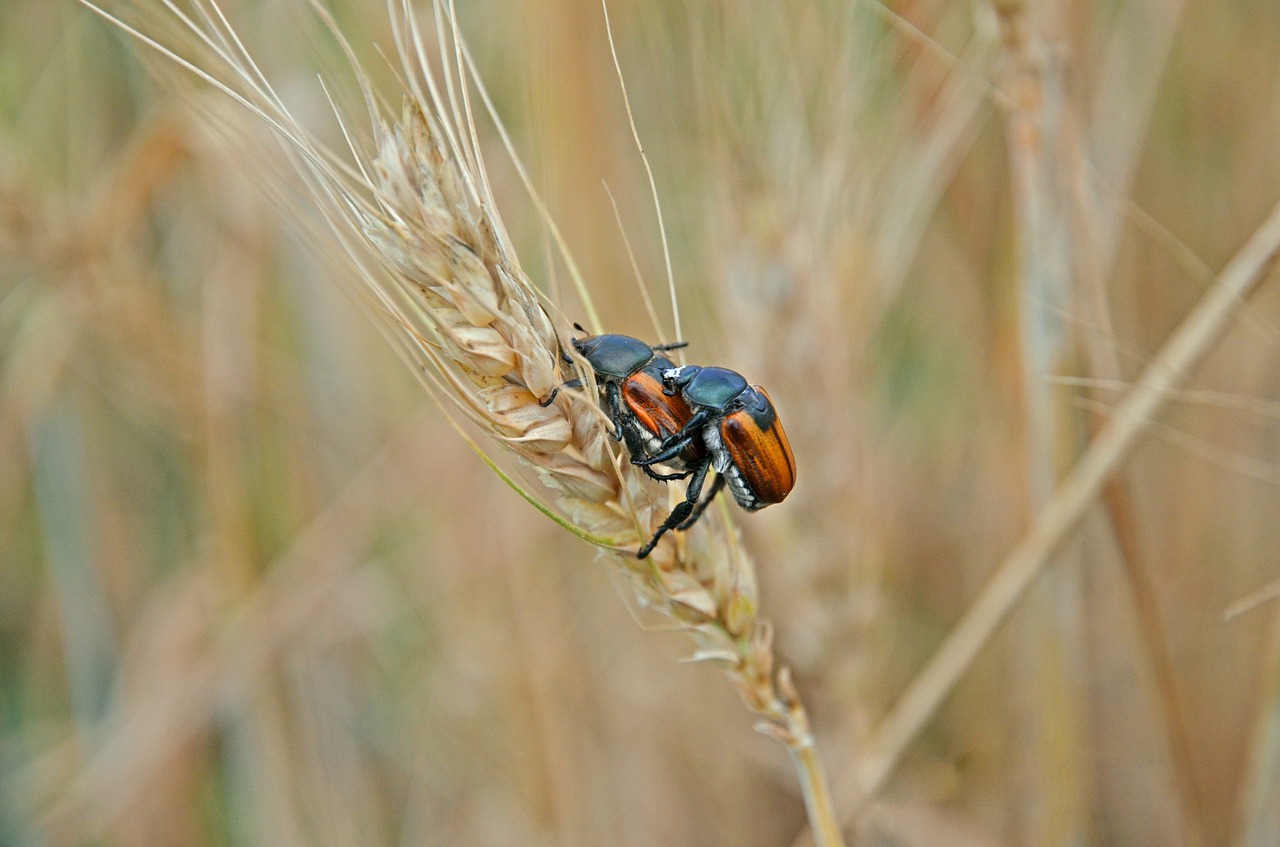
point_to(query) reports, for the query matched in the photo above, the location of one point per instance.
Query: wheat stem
(817, 796)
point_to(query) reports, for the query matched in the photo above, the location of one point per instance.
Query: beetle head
(674, 379)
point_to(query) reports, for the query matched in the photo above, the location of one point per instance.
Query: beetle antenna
(674, 345)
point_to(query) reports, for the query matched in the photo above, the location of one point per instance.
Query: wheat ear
(416, 221)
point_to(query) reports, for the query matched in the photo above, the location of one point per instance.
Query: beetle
(743, 441)
(629, 375)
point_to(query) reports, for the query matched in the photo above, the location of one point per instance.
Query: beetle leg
(702, 507)
(614, 398)
(674, 345)
(690, 431)
(675, 445)
(668, 451)
(573, 383)
(664, 477)
(635, 447)
(682, 509)
(568, 365)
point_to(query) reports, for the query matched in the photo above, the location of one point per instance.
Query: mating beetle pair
(694, 419)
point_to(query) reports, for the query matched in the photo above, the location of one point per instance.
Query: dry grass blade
(427, 252)
(1059, 251)
(1106, 453)
(174, 707)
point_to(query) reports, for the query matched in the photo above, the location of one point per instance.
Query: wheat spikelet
(494, 346)
(415, 219)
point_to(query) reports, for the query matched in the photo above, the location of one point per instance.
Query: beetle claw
(661, 477)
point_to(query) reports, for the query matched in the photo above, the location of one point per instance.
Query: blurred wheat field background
(254, 589)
